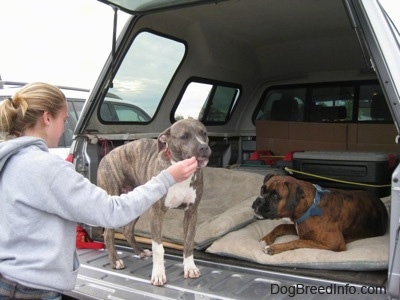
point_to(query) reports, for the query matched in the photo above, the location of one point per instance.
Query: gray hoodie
(42, 198)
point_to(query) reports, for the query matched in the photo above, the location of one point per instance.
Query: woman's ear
(46, 117)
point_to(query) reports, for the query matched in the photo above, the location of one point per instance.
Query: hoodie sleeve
(75, 198)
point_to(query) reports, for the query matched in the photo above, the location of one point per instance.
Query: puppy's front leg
(189, 229)
(158, 276)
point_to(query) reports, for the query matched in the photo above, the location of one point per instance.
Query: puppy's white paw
(158, 277)
(119, 264)
(145, 253)
(192, 272)
(189, 268)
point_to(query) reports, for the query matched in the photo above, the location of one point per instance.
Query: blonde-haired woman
(42, 197)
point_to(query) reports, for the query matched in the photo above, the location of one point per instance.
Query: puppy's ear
(295, 194)
(163, 139)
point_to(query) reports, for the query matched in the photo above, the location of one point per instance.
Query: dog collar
(168, 154)
(314, 210)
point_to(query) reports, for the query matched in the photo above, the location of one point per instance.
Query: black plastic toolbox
(347, 169)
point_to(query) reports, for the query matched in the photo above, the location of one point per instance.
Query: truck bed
(222, 278)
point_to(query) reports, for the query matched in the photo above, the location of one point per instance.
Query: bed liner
(222, 278)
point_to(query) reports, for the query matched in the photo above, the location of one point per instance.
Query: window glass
(341, 102)
(78, 105)
(142, 78)
(130, 113)
(332, 104)
(74, 110)
(372, 105)
(207, 102)
(283, 105)
(75, 106)
(69, 126)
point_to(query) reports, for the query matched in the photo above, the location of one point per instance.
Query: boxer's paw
(119, 264)
(145, 253)
(158, 277)
(269, 250)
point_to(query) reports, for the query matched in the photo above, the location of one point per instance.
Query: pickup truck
(232, 64)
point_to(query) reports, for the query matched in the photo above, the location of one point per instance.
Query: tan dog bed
(226, 226)
(225, 206)
(361, 255)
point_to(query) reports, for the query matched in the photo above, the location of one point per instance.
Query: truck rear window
(354, 102)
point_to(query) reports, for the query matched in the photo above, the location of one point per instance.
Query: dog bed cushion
(362, 255)
(225, 206)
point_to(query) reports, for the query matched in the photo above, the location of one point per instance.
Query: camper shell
(272, 80)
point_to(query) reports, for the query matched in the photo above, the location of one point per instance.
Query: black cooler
(349, 170)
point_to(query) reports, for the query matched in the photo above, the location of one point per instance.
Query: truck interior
(282, 86)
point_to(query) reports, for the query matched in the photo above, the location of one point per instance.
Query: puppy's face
(186, 138)
(278, 199)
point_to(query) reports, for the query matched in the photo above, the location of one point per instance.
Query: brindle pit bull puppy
(133, 164)
(323, 218)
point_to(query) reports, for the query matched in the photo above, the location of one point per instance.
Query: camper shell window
(142, 79)
(208, 101)
(352, 102)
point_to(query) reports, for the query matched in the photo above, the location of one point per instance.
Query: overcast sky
(63, 42)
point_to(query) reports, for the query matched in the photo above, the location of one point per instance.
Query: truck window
(372, 105)
(332, 104)
(341, 102)
(142, 78)
(212, 103)
(282, 105)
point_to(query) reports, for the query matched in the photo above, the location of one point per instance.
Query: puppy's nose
(204, 149)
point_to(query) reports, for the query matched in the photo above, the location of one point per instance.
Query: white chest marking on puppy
(180, 193)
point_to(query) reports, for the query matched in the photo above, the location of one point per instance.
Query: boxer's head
(279, 197)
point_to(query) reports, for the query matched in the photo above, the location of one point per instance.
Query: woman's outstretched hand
(183, 169)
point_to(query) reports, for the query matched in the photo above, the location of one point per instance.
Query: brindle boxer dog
(322, 218)
(133, 164)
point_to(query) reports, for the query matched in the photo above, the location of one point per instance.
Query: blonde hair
(23, 110)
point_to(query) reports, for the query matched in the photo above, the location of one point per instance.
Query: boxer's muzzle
(265, 206)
